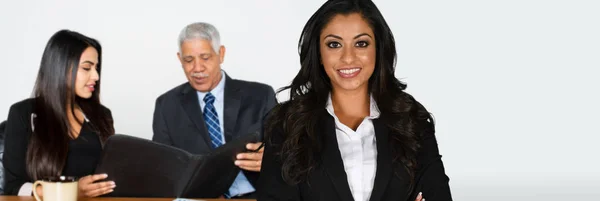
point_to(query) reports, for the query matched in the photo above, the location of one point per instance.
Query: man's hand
(250, 161)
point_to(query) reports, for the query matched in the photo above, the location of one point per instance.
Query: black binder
(143, 168)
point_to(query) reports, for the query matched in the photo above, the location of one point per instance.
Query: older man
(212, 108)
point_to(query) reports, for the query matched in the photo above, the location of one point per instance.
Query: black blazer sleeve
(159, 126)
(271, 186)
(431, 178)
(18, 132)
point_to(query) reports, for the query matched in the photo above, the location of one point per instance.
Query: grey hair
(201, 30)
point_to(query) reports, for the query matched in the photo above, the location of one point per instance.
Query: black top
(84, 151)
(83, 155)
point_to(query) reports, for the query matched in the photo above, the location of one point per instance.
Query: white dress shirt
(359, 152)
(240, 185)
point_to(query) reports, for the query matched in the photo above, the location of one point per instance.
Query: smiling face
(347, 47)
(87, 73)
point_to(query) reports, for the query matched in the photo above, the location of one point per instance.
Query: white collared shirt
(359, 152)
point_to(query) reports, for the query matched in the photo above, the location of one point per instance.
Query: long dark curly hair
(297, 119)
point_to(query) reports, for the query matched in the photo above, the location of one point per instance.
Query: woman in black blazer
(61, 130)
(349, 131)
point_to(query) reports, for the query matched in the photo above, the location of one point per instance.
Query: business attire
(356, 165)
(82, 157)
(199, 122)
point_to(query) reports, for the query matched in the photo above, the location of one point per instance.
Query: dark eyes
(362, 44)
(334, 45)
(357, 44)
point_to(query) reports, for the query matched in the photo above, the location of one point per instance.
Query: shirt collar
(217, 91)
(373, 109)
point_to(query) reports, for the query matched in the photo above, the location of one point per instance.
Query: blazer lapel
(332, 160)
(231, 107)
(384, 161)
(385, 169)
(192, 108)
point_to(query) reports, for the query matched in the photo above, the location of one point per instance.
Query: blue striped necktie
(212, 121)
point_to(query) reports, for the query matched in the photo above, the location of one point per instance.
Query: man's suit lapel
(231, 107)
(332, 160)
(191, 106)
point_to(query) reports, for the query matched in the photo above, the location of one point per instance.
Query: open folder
(143, 168)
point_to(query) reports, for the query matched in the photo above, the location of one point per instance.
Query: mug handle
(35, 190)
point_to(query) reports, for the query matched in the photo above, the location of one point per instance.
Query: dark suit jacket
(178, 119)
(328, 181)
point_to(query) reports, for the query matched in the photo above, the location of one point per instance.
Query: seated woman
(61, 130)
(349, 131)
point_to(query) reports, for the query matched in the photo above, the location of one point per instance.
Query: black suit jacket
(178, 119)
(328, 181)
